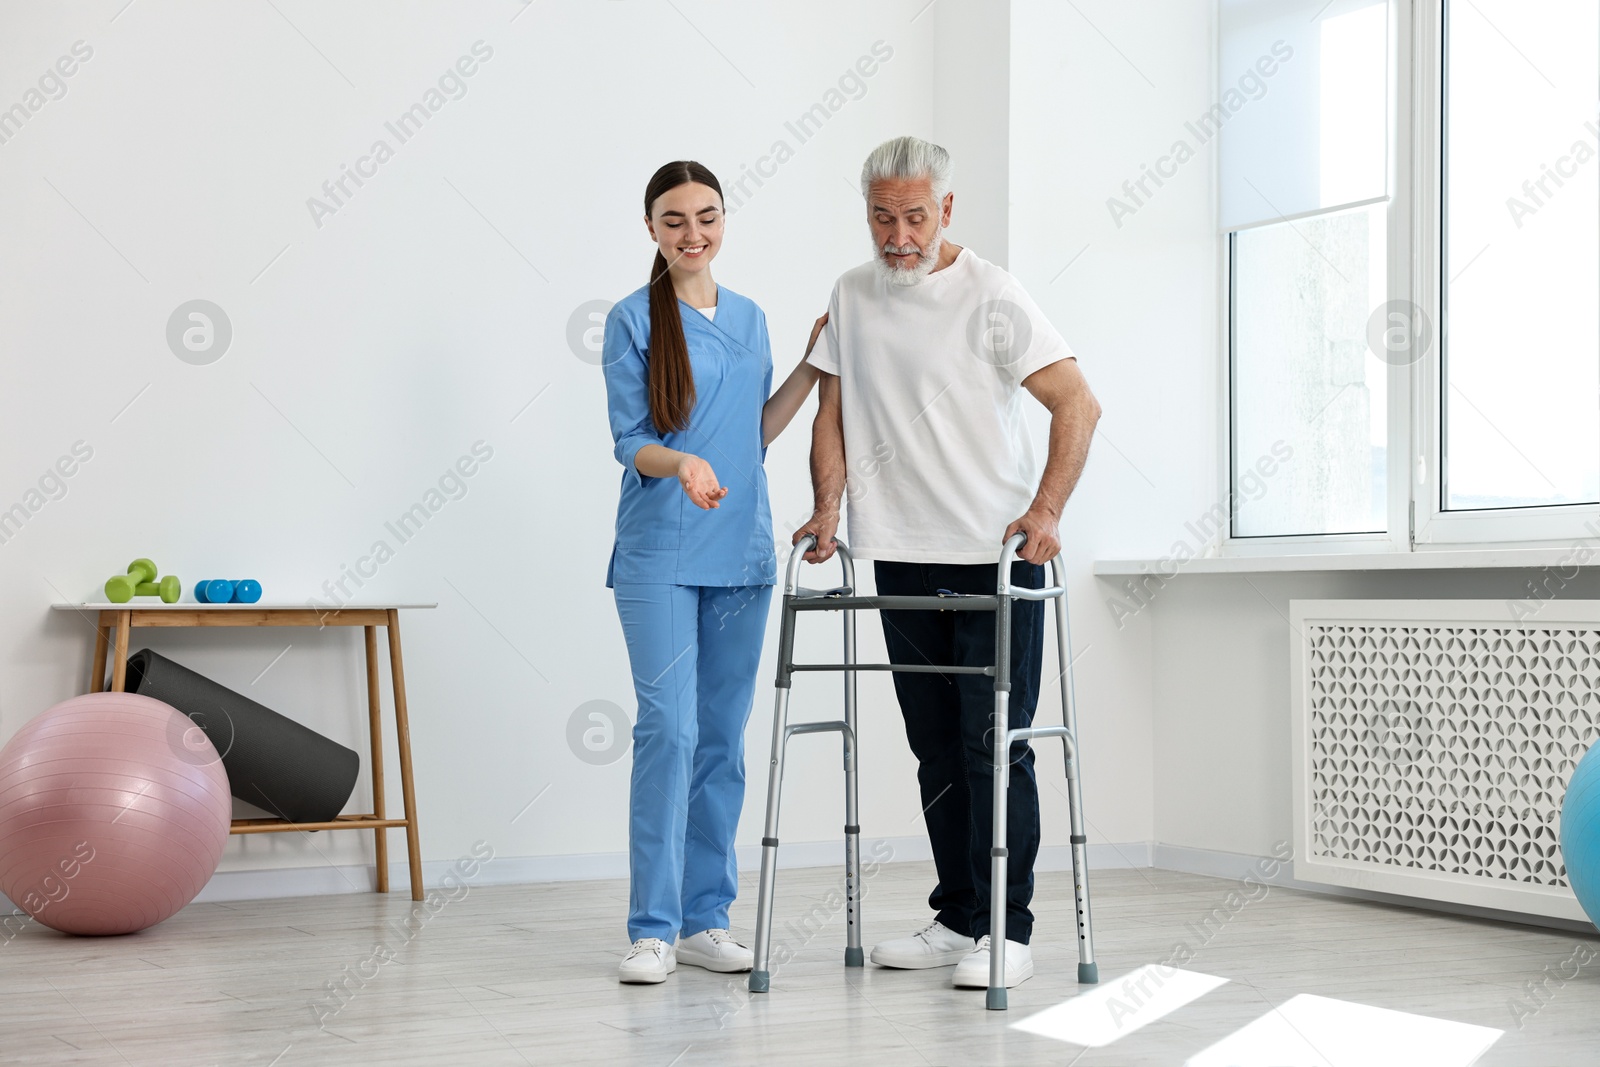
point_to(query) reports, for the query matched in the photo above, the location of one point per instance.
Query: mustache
(891, 248)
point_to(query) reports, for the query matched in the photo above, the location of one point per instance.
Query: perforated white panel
(1433, 754)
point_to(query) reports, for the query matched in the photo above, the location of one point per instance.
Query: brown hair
(671, 377)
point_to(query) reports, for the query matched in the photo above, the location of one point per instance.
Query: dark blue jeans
(948, 720)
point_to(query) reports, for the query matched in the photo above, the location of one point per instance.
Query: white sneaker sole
(646, 977)
(1016, 977)
(712, 963)
(919, 961)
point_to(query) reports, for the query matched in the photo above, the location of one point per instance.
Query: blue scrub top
(662, 538)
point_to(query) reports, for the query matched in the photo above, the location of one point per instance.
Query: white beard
(914, 275)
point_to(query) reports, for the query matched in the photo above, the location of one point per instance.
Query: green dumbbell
(141, 581)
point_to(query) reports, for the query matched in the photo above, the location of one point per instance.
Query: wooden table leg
(375, 726)
(119, 665)
(403, 737)
(97, 673)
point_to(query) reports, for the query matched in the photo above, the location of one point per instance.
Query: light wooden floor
(526, 975)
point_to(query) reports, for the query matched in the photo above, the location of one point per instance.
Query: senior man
(920, 425)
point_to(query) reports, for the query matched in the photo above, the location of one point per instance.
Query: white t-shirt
(938, 456)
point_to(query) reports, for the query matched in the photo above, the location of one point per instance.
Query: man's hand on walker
(822, 527)
(700, 482)
(1044, 535)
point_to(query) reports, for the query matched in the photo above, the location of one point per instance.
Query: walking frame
(797, 599)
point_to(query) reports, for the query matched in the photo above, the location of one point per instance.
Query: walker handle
(1009, 556)
(797, 555)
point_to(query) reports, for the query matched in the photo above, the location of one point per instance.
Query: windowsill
(1423, 559)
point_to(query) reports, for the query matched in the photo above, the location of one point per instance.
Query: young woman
(688, 371)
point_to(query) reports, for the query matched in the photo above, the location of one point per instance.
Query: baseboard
(1236, 867)
(531, 870)
(1217, 864)
(267, 883)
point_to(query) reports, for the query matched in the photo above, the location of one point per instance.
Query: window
(1521, 274)
(1412, 221)
(1306, 385)
(1304, 177)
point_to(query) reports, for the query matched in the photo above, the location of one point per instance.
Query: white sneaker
(649, 961)
(935, 945)
(973, 972)
(715, 950)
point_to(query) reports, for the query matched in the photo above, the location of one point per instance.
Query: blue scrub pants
(694, 651)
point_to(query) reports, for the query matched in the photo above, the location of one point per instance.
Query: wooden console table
(124, 617)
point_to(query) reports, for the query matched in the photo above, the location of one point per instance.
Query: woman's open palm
(700, 482)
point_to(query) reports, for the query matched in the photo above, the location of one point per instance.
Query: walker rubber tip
(853, 957)
(1088, 973)
(760, 981)
(996, 1000)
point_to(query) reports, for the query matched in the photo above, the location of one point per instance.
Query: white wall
(1097, 90)
(424, 315)
(392, 338)
(972, 119)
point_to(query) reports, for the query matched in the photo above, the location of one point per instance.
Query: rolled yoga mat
(272, 761)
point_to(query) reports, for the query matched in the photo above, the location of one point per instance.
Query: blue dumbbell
(213, 591)
(222, 591)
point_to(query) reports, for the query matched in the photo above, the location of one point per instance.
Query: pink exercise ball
(114, 810)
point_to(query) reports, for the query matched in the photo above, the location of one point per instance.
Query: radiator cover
(1432, 744)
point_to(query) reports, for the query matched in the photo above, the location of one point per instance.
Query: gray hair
(908, 157)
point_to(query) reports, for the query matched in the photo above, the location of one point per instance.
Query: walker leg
(996, 998)
(853, 955)
(760, 974)
(1088, 969)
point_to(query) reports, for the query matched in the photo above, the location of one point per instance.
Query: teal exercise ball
(1580, 833)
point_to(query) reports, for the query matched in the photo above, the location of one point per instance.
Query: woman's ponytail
(672, 392)
(671, 377)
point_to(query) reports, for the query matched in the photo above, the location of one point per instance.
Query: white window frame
(1395, 537)
(1508, 527)
(1417, 521)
